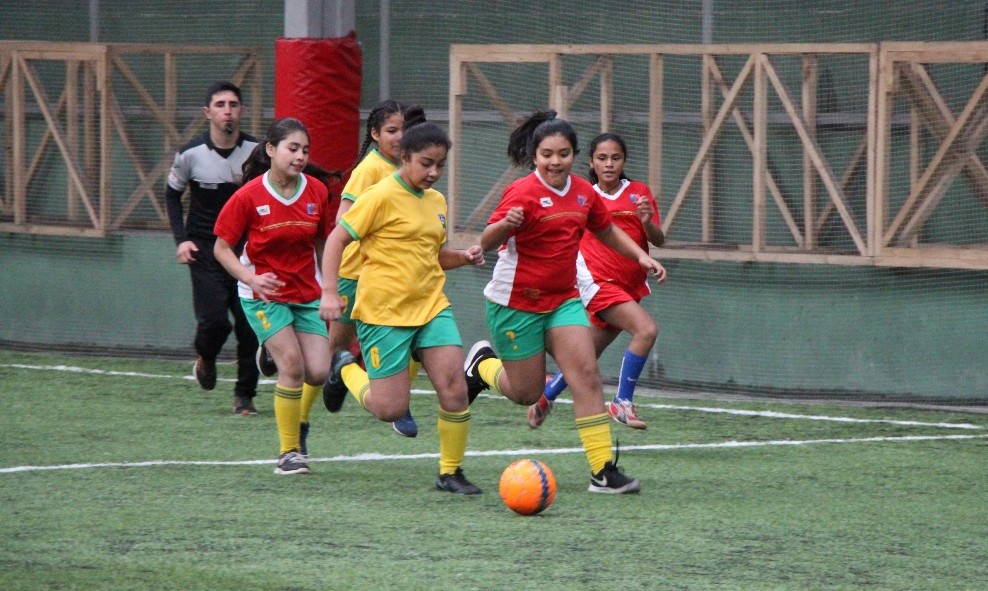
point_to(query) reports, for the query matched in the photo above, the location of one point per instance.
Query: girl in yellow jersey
(400, 305)
(385, 125)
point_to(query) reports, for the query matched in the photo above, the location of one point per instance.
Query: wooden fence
(84, 114)
(894, 75)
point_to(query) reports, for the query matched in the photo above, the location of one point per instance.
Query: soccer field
(122, 474)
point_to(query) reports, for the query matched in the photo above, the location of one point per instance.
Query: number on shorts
(375, 357)
(265, 323)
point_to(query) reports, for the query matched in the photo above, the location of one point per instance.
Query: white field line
(738, 412)
(771, 414)
(374, 457)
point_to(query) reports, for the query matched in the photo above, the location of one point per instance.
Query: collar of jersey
(561, 192)
(624, 185)
(383, 157)
(407, 187)
(299, 187)
(212, 146)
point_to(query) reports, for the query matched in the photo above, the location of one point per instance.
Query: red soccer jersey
(281, 234)
(536, 266)
(606, 264)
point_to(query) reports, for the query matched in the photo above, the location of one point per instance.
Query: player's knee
(646, 334)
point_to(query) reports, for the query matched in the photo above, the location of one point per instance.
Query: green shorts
(386, 349)
(268, 318)
(518, 335)
(347, 289)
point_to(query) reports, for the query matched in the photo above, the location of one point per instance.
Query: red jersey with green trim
(608, 265)
(536, 266)
(281, 234)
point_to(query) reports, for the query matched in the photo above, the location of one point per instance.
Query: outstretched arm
(615, 238)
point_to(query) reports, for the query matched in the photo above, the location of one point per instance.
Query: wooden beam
(476, 219)
(457, 89)
(706, 172)
(118, 122)
(491, 91)
(607, 94)
(580, 86)
(707, 142)
(935, 113)
(758, 164)
(655, 114)
(815, 154)
(933, 168)
(19, 122)
(70, 168)
(741, 120)
(809, 96)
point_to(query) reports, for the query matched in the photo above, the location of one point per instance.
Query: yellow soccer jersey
(369, 172)
(400, 232)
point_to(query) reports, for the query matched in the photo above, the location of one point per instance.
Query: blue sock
(631, 367)
(555, 386)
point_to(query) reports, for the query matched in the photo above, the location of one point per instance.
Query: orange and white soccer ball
(528, 487)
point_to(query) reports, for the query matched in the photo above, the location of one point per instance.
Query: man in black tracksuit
(211, 167)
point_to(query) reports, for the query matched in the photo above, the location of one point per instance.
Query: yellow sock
(413, 370)
(287, 406)
(454, 428)
(356, 381)
(595, 433)
(490, 370)
(309, 395)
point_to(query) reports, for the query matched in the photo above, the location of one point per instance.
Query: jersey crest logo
(310, 208)
(263, 209)
(442, 220)
(581, 200)
(635, 198)
(545, 201)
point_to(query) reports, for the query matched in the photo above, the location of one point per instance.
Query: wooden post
(809, 174)
(457, 88)
(655, 112)
(760, 156)
(18, 119)
(72, 130)
(707, 172)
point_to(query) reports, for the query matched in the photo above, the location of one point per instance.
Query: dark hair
(412, 115)
(422, 136)
(605, 137)
(321, 174)
(530, 133)
(218, 87)
(259, 162)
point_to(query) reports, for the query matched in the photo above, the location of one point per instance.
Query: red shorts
(607, 296)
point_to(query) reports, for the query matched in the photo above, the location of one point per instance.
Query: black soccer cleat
(610, 480)
(457, 483)
(265, 363)
(334, 390)
(480, 351)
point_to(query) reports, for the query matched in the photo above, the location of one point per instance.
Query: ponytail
(529, 134)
